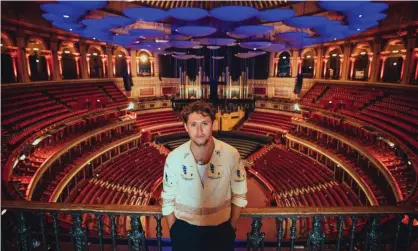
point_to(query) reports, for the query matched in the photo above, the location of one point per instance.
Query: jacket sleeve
(170, 184)
(238, 182)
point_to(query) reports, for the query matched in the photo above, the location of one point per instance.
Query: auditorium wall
(387, 54)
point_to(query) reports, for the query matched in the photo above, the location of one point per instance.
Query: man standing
(204, 186)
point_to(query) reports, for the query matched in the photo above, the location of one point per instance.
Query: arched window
(361, 66)
(334, 65)
(69, 65)
(121, 65)
(8, 60)
(393, 61)
(38, 67)
(7, 75)
(96, 64)
(144, 64)
(283, 66)
(308, 64)
(393, 69)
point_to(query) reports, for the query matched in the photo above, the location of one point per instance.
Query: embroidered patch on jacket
(166, 181)
(186, 154)
(239, 176)
(214, 172)
(218, 152)
(185, 174)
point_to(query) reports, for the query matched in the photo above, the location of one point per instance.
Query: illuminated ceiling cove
(255, 27)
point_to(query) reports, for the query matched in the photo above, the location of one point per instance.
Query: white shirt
(206, 203)
(202, 172)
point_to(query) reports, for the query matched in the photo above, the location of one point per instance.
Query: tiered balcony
(267, 123)
(160, 123)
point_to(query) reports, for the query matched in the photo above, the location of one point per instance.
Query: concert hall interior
(320, 98)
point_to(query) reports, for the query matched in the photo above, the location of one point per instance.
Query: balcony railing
(42, 225)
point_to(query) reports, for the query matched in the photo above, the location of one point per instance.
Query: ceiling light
(255, 49)
(71, 29)
(284, 57)
(358, 29)
(159, 49)
(309, 56)
(36, 49)
(395, 63)
(94, 38)
(335, 38)
(310, 67)
(395, 51)
(363, 53)
(334, 55)
(120, 55)
(94, 54)
(66, 52)
(37, 61)
(330, 102)
(66, 16)
(360, 15)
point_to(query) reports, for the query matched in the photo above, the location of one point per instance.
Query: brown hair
(199, 107)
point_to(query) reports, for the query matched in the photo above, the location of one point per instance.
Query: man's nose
(199, 128)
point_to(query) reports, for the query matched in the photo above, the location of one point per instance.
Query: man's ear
(214, 123)
(185, 127)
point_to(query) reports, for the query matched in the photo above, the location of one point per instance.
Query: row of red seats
(85, 151)
(249, 128)
(402, 172)
(126, 180)
(343, 154)
(279, 166)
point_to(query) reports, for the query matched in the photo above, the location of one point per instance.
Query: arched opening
(121, 65)
(283, 65)
(7, 75)
(393, 61)
(393, 69)
(361, 67)
(308, 65)
(38, 67)
(7, 68)
(69, 66)
(334, 65)
(144, 64)
(96, 65)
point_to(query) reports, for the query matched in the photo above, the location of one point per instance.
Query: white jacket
(208, 204)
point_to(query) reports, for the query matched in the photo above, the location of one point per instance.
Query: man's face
(199, 128)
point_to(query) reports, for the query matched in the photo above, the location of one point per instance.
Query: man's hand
(235, 213)
(170, 220)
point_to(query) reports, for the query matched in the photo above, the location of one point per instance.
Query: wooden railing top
(246, 212)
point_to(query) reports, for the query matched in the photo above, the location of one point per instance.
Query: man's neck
(202, 154)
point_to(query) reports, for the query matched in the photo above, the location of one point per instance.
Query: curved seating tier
(393, 110)
(401, 170)
(161, 123)
(267, 123)
(127, 179)
(27, 109)
(302, 182)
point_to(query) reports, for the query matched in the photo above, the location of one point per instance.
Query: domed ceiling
(254, 25)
